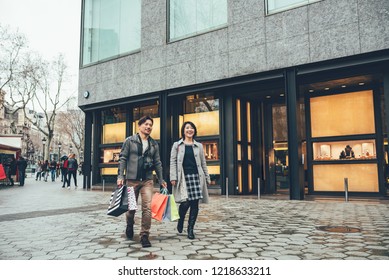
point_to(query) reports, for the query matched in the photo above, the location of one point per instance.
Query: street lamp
(59, 150)
(44, 143)
(70, 148)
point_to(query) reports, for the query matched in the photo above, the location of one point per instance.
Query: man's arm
(123, 157)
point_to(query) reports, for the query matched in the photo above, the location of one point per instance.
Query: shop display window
(345, 150)
(203, 111)
(110, 155)
(114, 133)
(114, 125)
(361, 177)
(342, 114)
(214, 174)
(211, 150)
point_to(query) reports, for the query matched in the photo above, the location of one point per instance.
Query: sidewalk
(44, 221)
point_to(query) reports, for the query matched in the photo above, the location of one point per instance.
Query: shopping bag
(132, 205)
(158, 205)
(174, 210)
(118, 203)
(2, 172)
(171, 211)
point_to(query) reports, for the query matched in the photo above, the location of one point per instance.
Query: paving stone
(235, 229)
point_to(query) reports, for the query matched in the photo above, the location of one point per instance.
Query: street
(43, 221)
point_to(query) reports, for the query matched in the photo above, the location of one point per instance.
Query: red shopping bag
(2, 172)
(158, 205)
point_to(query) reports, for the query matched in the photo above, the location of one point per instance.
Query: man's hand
(164, 185)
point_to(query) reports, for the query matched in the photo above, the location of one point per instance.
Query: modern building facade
(289, 96)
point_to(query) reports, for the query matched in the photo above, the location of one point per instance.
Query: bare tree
(36, 84)
(72, 127)
(11, 46)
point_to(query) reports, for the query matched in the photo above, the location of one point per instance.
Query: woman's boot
(192, 220)
(182, 209)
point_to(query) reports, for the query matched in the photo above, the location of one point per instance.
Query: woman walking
(188, 176)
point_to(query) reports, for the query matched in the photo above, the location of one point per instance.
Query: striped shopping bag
(118, 204)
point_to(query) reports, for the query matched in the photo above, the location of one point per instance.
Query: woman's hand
(173, 182)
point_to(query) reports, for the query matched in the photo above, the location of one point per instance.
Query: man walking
(138, 158)
(22, 165)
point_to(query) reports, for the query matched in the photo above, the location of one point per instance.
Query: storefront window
(203, 111)
(344, 144)
(151, 110)
(191, 17)
(110, 28)
(343, 114)
(114, 125)
(345, 150)
(110, 155)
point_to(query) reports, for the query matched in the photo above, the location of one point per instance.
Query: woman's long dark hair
(183, 129)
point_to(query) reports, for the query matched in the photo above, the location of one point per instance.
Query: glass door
(280, 146)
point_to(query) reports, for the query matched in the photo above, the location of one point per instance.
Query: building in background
(279, 90)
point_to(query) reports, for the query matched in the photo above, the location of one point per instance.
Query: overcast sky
(51, 27)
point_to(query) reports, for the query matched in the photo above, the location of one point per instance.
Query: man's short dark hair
(143, 119)
(183, 129)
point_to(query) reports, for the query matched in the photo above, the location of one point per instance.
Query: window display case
(345, 150)
(344, 147)
(110, 155)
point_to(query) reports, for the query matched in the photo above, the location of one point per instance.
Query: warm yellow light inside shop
(361, 177)
(114, 133)
(343, 114)
(109, 171)
(207, 123)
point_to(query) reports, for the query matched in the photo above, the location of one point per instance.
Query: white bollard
(346, 189)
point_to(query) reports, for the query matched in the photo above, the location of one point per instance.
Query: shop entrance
(262, 144)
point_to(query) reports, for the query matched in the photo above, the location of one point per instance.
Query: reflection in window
(111, 28)
(280, 5)
(191, 17)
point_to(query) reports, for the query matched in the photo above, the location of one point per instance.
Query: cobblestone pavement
(43, 221)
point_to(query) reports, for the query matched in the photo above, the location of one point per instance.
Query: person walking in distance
(45, 170)
(139, 156)
(52, 167)
(72, 169)
(188, 176)
(64, 172)
(22, 165)
(38, 171)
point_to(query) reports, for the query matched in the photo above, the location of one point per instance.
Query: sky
(51, 27)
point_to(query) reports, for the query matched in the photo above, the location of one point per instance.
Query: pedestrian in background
(53, 168)
(188, 176)
(138, 158)
(21, 165)
(38, 171)
(72, 169)
(64, 171)
(45, 170)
